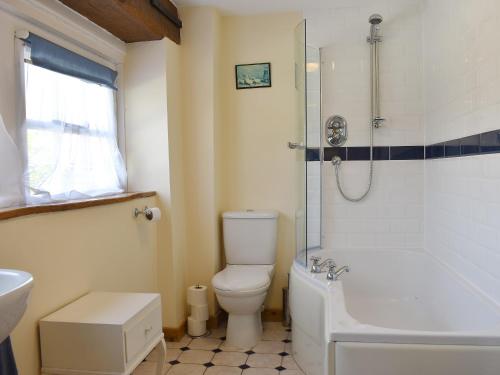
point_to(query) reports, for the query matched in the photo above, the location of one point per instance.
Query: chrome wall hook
(146, 212)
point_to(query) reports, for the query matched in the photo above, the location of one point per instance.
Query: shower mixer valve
(336, 130)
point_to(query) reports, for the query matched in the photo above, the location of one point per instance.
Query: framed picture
(252, 76)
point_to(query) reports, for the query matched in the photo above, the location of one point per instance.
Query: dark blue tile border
(490, 142)
(312, 154)
(381, 153)
(363, 153)
(477, 144)
(330, 152)
(470, 145)
(452, 148)
(407, 152)
(358, 153)
(484, 143)
(434, 151)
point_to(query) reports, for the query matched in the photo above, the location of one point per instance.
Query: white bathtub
(395, 313)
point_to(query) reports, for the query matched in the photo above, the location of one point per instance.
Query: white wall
(69, 253)
(392, 214)
(461, 78)
(154, 145)
(200, 114)
(258, 168)
(72, 253)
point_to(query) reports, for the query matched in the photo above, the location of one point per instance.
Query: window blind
(59, 59)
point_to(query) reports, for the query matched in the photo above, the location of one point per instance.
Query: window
(71, 129)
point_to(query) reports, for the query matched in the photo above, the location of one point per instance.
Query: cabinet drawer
(141, 334)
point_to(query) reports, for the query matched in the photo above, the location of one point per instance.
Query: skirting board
(176, 334)
(272, 315)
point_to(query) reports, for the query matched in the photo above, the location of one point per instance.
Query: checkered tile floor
(211, 356)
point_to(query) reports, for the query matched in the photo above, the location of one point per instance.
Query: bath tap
(333, 274)
(317, 267)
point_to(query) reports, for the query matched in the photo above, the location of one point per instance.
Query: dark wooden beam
(132, 20)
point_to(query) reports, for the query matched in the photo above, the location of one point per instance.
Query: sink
(15, 288)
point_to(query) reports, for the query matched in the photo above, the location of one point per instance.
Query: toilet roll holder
(146, 212)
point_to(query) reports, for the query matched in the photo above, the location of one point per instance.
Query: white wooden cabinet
(102, 333)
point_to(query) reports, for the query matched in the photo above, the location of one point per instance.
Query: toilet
(250, 246)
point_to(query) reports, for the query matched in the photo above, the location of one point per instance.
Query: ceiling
(247, 7)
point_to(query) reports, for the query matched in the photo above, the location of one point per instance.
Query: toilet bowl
(241, 287)
(241, 291)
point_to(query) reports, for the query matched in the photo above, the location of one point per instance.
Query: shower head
(375, 19)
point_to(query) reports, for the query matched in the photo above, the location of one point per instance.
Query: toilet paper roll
(196, 327)
(153, 214)
(197, 295)
(199, 312)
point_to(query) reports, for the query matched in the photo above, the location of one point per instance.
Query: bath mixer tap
(333, 274)
(318, 267)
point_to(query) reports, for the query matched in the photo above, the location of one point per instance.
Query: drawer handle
(147, 330)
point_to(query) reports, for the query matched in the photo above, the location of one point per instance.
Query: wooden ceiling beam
(132, 20)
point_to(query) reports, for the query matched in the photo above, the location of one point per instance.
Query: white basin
(15, 288)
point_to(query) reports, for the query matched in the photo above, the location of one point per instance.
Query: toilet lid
(242, 278)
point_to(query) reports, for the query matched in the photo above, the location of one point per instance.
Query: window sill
(12, 212)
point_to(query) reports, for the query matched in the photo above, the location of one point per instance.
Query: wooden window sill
(12, 212)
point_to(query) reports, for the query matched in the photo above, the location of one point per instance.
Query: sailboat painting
(250, 76)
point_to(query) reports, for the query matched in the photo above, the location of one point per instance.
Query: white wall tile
(462, 218)
(341, 34)
(461, 79)
(461, 68)
(313, 204)
(390, 217)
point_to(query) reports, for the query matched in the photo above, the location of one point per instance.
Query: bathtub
(396, 313)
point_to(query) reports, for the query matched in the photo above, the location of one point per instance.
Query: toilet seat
(243, 280)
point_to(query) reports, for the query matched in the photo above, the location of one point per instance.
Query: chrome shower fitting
(376, 119)
(375, 20)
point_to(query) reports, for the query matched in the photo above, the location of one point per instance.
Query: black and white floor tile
(211, 356)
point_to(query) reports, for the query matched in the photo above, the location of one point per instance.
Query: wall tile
(461, 79)
(340, 32)
(391, 215)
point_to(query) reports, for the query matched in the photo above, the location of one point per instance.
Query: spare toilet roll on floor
(199, 312)
(198, 301)
(197, 295)
(196, 327)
